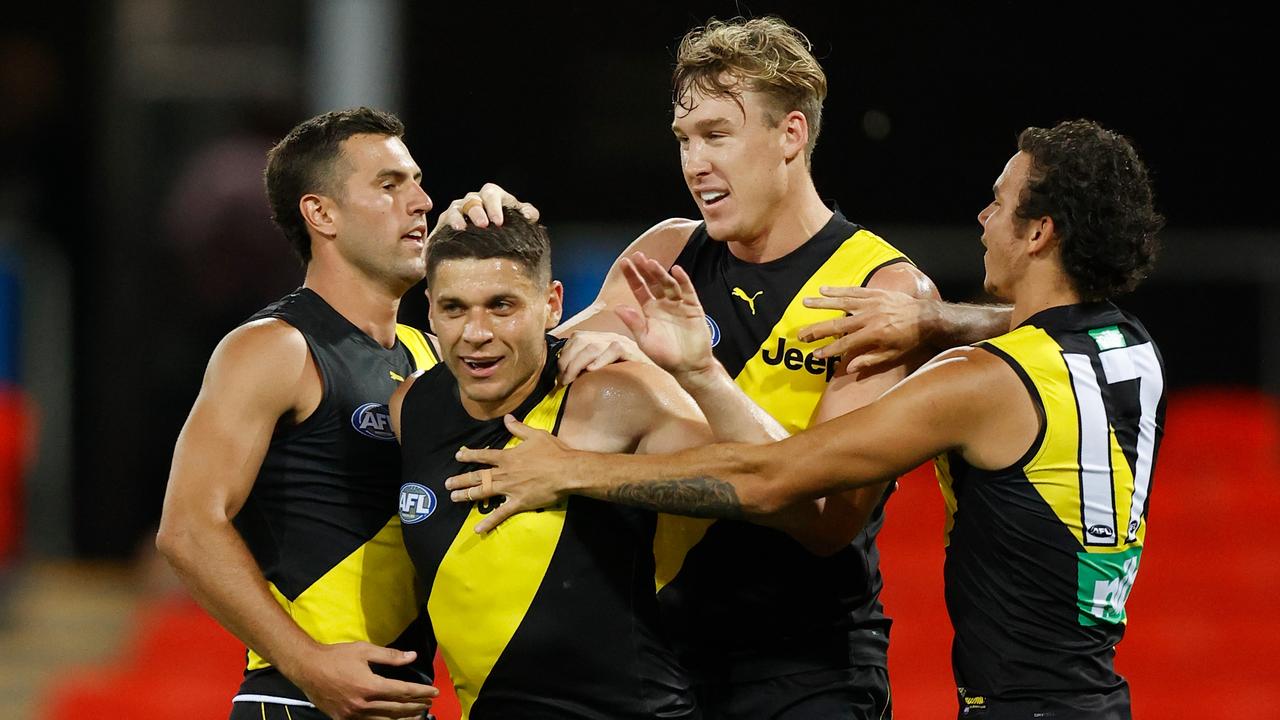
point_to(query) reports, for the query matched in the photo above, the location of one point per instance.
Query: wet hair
(518, 239)
(306, 161)
(1092, 183)
(765, 55)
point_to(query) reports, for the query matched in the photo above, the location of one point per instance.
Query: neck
(482, 410)
(798, 216)
(368, 305)
(1034, 294)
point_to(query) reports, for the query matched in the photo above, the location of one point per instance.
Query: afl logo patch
(1101, 531)
(417, 502)
(715, 330)
(373, 420)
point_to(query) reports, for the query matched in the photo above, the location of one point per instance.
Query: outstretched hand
(669, 323)
(879, 326)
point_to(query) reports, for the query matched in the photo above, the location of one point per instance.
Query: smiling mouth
(480, 367)
(712, 198)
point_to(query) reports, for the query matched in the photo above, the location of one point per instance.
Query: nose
(693, 159)
(476, 330)
(985, 214)
(419, 201)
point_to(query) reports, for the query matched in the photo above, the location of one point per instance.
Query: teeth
(711, 196)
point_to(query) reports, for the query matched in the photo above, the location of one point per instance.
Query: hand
(339, 682)
(670, 325)
(587, 350)
(493, 200)
(880, 326)
(531, 475)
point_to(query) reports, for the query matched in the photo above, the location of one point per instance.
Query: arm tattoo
(698, 497)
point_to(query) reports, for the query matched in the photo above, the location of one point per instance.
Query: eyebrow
(397, 175)
(705, 124)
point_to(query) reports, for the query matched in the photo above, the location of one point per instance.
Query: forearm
(955, 324)
(714, 481)
(731, 414)
(217, 568)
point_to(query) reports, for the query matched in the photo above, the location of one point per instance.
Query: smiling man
(1045, 438)
(554, 616)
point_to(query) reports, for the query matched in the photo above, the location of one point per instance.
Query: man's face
(1004, 234)
(734, 163)
(380, 210)
(490, 316)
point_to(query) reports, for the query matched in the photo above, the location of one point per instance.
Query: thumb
(389, 656)
(632, 318)
(517, 428)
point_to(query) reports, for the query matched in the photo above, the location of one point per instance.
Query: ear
(318, 212)
(795, 134)
(555, 304)
(1043, 237)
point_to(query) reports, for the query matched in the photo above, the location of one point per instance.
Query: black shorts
(856, 693)
(245, 710)
(275, 711)
(1095, 706)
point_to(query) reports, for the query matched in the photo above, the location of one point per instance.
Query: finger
(660, 280)
(529, 212)
(870, 360)
(848, 291)
(499, 514)
(828, 328)
(569, 371)
(519, 429)
(477, 211)
(852, 344)
(686, 284)
(611, 354)
(483, 456)
(387, 656)
(392, 690)
(636, 281)
(493, 198)
(633, 319)
(834, 303)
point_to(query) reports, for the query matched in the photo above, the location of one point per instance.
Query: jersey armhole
(326, 392)
(1038, 444)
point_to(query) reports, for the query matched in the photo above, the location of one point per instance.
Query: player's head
(345, 180)
(747, 98)
(1079, 194)
(492, 301)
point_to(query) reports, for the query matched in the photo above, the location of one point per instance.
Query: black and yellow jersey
(550, 615)
(321, 518)
(749, 602)
(1042, 554)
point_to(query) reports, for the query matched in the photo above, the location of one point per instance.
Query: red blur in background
(1204, 615)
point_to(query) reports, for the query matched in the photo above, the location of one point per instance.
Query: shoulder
(903, 277)
(638, 388)
(969, 380)
(664, 241)
(264, 342)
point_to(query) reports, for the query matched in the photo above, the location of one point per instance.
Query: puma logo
(751, 301)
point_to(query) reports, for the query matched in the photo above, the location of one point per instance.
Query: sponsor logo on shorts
(373, 420)
(417, 502)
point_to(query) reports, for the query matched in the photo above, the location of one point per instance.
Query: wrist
(697, 380)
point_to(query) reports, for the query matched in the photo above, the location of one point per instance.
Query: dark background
(568, 105)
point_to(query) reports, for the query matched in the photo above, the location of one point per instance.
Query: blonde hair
(762, 54)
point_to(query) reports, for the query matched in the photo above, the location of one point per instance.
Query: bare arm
(260, 375)
(965, 400)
